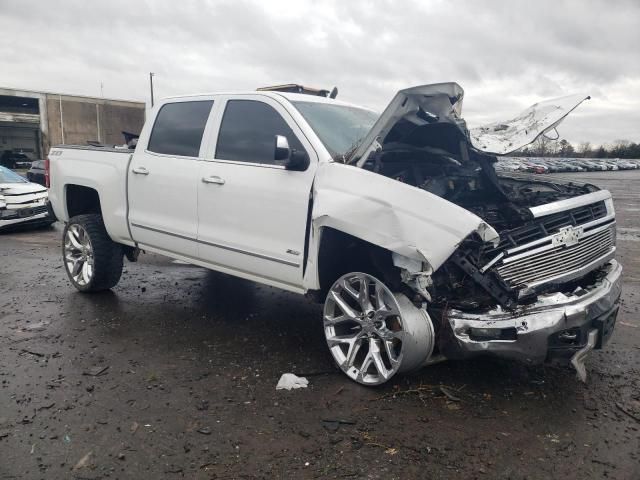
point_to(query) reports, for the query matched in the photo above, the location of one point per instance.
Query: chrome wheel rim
(373, 334)
(78, 255)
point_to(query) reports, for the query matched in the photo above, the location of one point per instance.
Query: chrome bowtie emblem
(567, 236)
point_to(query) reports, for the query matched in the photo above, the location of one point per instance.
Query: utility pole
(151, 74)
(61, 118)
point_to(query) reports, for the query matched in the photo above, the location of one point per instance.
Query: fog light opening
(488, 334)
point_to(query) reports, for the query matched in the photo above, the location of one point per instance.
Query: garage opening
(19, 130)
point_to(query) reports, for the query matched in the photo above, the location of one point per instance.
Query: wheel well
(81, 200)
(342, 253)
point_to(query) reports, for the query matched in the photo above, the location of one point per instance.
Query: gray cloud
(506, 55)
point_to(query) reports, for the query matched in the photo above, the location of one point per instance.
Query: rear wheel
(92, 260)
(373, 333)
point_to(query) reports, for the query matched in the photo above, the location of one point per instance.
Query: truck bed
(103, 169)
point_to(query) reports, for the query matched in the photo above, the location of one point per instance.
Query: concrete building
(30, 122)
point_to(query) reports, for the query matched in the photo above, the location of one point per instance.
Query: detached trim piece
(570, 203)
(217, 245)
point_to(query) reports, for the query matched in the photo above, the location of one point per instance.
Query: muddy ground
(173, 374)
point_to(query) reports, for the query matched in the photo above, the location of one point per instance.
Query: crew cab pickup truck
(398, 222)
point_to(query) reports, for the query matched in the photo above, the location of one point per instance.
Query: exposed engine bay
(468, 179)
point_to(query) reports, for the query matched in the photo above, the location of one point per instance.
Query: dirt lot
(173, 375)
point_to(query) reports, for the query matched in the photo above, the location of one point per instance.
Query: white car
(398, 222)
(22, 202)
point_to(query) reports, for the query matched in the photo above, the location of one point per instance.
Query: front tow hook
(579, 357)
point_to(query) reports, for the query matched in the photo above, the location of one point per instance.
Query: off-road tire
(107, 254)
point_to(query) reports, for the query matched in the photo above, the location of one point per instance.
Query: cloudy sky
(506, 55)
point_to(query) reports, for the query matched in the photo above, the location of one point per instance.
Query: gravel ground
(173, 374)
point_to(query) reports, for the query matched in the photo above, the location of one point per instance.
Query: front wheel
(92, 260)
(373, 333)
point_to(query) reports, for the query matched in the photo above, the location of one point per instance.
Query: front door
(163, 178)
(252, 211)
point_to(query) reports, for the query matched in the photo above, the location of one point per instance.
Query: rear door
(252, 211)
(163, 177)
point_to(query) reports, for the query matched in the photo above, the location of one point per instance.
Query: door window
(179, 127)
(248, 131)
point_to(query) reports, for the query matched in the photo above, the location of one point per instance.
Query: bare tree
(584, 149)
(565, 149)
(542, 147)
(619, 148)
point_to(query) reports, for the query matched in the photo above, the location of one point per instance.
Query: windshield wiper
(346, 157)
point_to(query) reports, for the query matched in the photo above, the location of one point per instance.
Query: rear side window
(248, 132)
(179, 127)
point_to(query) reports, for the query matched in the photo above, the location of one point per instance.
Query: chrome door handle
(140, 171)
(214, 179)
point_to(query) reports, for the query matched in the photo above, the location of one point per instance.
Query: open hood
(505, 137)
(435, 112)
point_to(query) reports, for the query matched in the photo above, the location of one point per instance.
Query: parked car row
(15, 214)
(554, 165)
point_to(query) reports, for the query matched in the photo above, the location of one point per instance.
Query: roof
(292, 97)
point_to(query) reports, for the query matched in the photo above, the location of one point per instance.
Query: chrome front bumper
(555, 326)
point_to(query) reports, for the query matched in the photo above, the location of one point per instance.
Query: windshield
(7, 176)
(340, 128)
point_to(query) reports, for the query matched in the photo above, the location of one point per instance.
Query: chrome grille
(559, 261)
(545, 226)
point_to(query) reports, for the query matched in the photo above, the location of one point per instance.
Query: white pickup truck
(398, 222)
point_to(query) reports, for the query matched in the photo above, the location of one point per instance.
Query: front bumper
(556, 326)
(35, 215)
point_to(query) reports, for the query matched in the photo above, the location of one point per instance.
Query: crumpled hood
(22, 195)
(505, 137)
(20, 188)
(439, 106)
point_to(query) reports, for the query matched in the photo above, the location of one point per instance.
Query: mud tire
(107, 255)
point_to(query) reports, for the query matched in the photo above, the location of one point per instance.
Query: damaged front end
(539, 293)
(548, 288)
(556, 326)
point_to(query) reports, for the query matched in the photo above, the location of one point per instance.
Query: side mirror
(298, 161)
(282, 150)
(291, 159)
